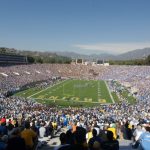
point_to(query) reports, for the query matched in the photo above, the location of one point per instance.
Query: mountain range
(135, 54)
(131, 55)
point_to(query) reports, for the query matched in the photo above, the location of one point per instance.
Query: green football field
(72, 93)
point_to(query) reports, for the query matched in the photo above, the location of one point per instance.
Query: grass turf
(71, 93)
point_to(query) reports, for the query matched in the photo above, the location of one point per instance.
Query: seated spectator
(29, 136)
(3, 120)
(113, 130)
(110, 144)
(16, 143)
(128, 131)
(63, 140)
(34, 127)
(97, 128)
(49, 130)
(103, 133)
(10, 128)
(89, 134)
(3, 142)
(137, 133)
(74, 126)
(80, 139)
(144, 139)
(3, 129)
(94, 139)
(70, 137)
(42, 131)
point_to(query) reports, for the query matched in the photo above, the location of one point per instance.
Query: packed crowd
(98, 128)
(137, 77)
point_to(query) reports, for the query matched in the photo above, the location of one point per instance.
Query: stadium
(109, 93)
(74, 75)
(68, 86)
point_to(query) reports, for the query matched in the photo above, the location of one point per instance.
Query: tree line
(51, 60)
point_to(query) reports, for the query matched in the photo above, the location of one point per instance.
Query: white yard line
(109, 92)
(98, 91)
(64, 85)
(45, 89)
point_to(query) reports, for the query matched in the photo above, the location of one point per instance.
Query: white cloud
(113, 47)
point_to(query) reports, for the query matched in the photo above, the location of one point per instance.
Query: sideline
(45, 89)
(109, 92)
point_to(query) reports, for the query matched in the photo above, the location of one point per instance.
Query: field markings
(68, 82)
(69, 100)
(109, 92)
(65, 82)
(45, 89)
(98, 91)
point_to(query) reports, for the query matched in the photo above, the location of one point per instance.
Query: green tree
(38, 60)
(30, 59)
(148, 60)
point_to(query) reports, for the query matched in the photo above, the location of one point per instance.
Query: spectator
(29, 136)
(80, 139)
(16, 143)
(3, 142)
(42, 131)
(110, 144)
(63, 140)
(94, 139)
(3, 129)
(137, 133)
(144, 139)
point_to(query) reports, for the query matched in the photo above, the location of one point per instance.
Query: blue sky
(84, 26)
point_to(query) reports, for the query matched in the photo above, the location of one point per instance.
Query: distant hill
(135, 54)
(74, 55)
